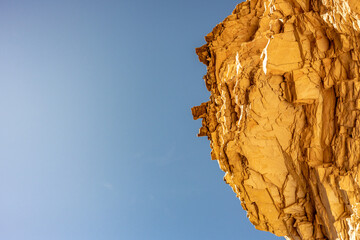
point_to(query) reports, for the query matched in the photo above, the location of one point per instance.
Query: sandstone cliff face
(284, 114)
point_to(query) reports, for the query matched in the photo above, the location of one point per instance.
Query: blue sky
(97, 139)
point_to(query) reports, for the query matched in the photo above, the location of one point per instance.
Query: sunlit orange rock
(284, 114)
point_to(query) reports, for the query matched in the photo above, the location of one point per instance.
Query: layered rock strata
(284, 114)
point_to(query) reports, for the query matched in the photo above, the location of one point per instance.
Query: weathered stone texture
(284, 114)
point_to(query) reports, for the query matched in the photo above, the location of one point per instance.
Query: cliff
(284, 114)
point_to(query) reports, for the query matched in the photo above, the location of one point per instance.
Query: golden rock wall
(284, 114)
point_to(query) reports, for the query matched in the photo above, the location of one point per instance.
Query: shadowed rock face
(283, 116)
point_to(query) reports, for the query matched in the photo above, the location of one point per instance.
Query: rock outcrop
(284, 114)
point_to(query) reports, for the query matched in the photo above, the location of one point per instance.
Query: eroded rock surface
(283, 116)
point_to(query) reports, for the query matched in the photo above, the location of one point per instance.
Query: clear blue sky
(97, 140)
